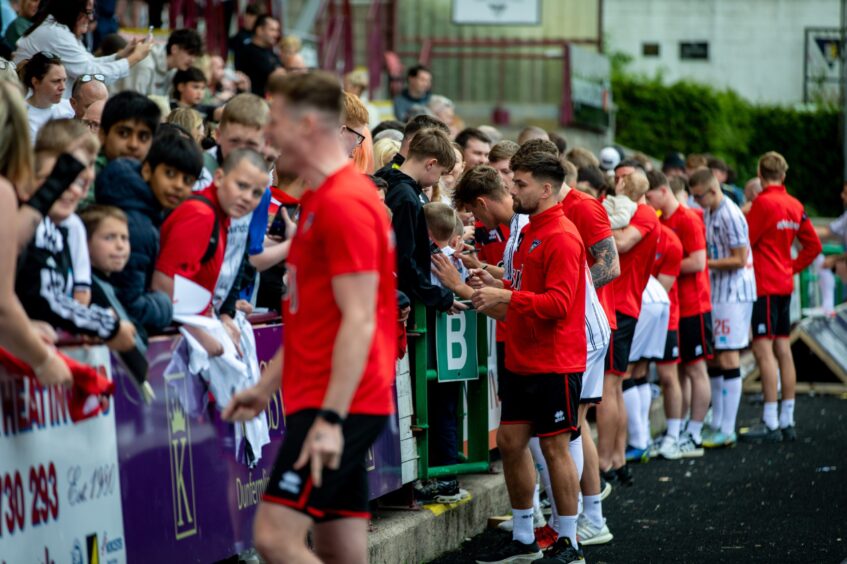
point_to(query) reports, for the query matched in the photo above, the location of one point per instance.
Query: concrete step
(413, 536)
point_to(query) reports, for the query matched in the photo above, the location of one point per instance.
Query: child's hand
(233, 332)
(479, 278)
(468, 257)
(212, 346)
(124, 340)
(444, 270)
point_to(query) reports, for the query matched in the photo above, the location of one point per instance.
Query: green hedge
(696, 118)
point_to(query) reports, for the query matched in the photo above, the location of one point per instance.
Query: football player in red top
(340, 337)
(544, 305)
(775, 221)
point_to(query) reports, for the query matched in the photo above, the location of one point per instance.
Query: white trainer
(669, 448)
(587, 533)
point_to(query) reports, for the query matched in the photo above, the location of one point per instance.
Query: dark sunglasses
(47, 55)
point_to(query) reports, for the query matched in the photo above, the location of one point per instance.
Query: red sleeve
(810, 245)
(592, 222)
(672, 259)
(756, 221)
(562, 264)
(352, 238)
(184, 239)
(644, 220)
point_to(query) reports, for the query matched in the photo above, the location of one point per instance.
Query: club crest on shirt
(534, 245)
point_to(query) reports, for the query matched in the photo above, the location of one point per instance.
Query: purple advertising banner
(185, 497)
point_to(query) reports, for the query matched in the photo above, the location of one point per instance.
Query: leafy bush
(696, 118)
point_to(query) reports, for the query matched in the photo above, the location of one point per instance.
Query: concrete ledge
(407, 537)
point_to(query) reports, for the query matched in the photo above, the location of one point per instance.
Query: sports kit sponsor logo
(559, 416)
(290, 483)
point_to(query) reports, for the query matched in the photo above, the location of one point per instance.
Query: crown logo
(177, 418)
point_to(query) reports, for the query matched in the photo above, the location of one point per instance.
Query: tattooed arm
(607, 266)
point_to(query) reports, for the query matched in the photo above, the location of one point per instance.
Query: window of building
(694, 50)
(650, 49)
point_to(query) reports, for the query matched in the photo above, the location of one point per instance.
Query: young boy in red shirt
(544, 305)
(194, 236)
(775, 220)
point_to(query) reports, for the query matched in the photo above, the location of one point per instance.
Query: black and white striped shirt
(726, 229)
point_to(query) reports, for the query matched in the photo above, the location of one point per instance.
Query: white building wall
(755, 46)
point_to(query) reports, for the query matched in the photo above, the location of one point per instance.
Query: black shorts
(617, 357)
(547, 402)
(343, 492)
(695, 338)
(771, 317)
(671, 355)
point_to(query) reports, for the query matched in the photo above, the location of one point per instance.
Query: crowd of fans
(122, 171)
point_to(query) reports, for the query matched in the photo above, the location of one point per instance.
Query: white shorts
(651, 332)
(592, 378)
(731, 325)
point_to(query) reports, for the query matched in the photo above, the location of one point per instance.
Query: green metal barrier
(475, 391)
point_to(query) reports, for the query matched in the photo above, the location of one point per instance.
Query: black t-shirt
(257, 63)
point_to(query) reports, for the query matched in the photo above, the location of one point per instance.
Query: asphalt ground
(784, 502)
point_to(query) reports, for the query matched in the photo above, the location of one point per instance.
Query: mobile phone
(277, 228)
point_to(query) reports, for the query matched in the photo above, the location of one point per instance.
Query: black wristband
(65, 171)
(330, 416)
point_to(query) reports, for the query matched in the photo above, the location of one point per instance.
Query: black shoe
(512, 552)
(789, 434)
(440, 491)
(609, 476)
(562, 552)
(761, 433)
(624, 475)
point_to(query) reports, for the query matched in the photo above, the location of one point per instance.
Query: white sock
(716, 384)
(786, 416)
(536, 497)
(523, 530)
(568, 527)
(543, 474)
(632, 401)
(646, 399)
(696, 430)
(592, 508)
(769, 415)
(731, 401)
(826, 279)
(673, 428)
(575, 448)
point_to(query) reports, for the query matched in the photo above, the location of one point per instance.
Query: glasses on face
(699, 197)
(90, 14)
(89, 77)
(8, 65)
(359, 137)
(48, 55)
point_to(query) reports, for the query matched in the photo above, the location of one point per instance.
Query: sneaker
(545, 537)
(624, 475)
(720, 440)
(669, 448)
(588, 533)
(789, 434)
(538, 521)
(655, 446)
(761, 433)
(707, 432)
(634, 454)
(440, 491)
(688, 448)
(513, 551)
(605, 489)
(562, 552)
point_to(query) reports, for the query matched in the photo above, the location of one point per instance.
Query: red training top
(668, 259)
(185, 238)
(775, 220)
(688, 228)
(592, 222)
(546, 315)
(343, 229)
(637, 264)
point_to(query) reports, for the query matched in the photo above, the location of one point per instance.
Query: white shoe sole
(696, 453)
(463, 494)
(672, 455)
(602, 538)
(525, 558)
(606, 491)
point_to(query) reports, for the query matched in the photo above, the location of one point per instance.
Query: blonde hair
(635, 185)
(246, 109)
(57, 135)
(772, 167)
(441, 220)
(582, 158)
(385, 150)
(16, 159)
(187, 118)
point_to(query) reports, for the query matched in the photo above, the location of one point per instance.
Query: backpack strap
(212, 248)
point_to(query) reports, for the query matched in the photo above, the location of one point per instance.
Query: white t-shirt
(38, 117)
(78, 246)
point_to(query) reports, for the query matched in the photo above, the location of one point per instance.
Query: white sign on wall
(60, 492)
(497, 12)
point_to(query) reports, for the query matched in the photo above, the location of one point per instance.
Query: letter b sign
(455, 344)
